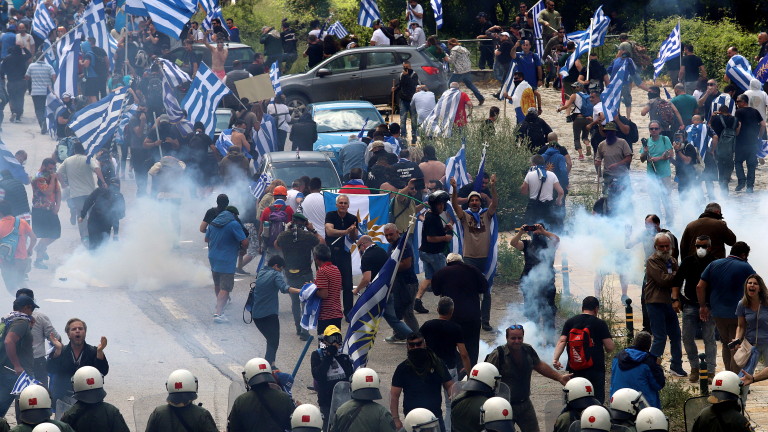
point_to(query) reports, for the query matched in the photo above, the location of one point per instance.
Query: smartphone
(734, 344)
(530, 228)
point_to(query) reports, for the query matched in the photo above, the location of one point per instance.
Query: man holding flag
(18, 334)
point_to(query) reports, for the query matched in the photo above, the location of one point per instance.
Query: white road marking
(236, 368)
(174, 308)
(58, 300)
(208, 344)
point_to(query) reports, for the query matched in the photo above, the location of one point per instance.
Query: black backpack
(726, 142)
(154, 92)
(100, 64)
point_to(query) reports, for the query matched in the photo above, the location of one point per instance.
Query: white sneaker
(597, 179)
(220, 319)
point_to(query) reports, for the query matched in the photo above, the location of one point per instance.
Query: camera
(644, 141)
(529, 228)
(734, 344)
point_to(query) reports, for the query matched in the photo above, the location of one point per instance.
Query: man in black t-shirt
(406, 282)
(314, 51)
(691, 69)
(435, 238)
(340, 223)
(222, 201)
(600, 339)
(486, 47)
(290, 54)
(444, 337)
(747, 142)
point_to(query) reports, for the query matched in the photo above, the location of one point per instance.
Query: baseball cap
(505, 34)
(300, 216)
(474, 193)
(24, 301)
(331, 329)
(280, 191)
(610, 126)
(481, 15)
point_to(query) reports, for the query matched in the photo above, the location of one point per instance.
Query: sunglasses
(654, 128)
(515, 327)
(701, 246)
(711, 85)
(415, 344)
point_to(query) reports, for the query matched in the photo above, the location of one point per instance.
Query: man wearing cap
(276, 214)
(329, 366)
(503, 57)
(613, 155)
(296, 245)
(16, 355)
(378, 38)
(90, 413)
(486, 47)
(416, 36)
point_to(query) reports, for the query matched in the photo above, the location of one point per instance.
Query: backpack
(640, 55)
(9, 242)
(154, 92)
(555, 162)
(64, 148)
(726, 142)
(579, 339)
(100, 65)
(586, 108)
(277, 220)
(633, 136)
(665, 114)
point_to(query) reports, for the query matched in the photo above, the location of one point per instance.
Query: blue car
(336, 121)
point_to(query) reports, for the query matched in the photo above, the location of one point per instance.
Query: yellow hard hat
(331, 329)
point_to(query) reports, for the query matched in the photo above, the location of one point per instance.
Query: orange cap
(280, 191)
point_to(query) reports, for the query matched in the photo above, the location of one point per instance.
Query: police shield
(552, 410)
(575, 426)
(236, 388)
(692, 409)
(342, 392)
(62, 405)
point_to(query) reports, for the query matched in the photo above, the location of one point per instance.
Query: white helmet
(88, 384)
(306, 418)
(46, 427)
(496, 415)
(726, 385)
(596, 418)
(483, 377)
(181, 386)
(421, 420)
(34, 404)
(652, 419)
(578, 393)
(365, 384)
(258, 371)
(626, 403)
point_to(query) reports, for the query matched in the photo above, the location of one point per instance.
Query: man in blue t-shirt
(225, 238)
(719, 291)
(529, 63)
(657, 151)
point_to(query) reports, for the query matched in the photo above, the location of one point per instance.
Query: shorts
(92, 86)
(45, 223)
(433, 262)
(225, 281)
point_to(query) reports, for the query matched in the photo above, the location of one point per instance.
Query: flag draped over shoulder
(439, 122)
(599, 26)
(669, 49)
(259, 186)
(739, 71)
(761, 70)
(9, 162)
(203, 97)
(697, 134)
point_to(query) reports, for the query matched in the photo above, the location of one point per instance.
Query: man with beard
(421, 379)
(688, 301)
(660, 270)
(615, 155)
(710, 224)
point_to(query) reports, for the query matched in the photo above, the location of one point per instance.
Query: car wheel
(297, 105)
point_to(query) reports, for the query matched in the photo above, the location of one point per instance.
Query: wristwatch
(675, 300)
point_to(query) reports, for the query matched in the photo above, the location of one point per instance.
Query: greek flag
(42, 23)
(699, 136)
(95, 124)
(265, 139)
(456, 167)
(538, 32)
(174, 111)
(722, 99)
(369, 12)
(208, 21)
(258, 187)
(670, 49)
(22, 382)
(599, 27)
(508, 86)
(203, 97)
(94, 13)
(65, 44)
(52, 106)
(761, 70)
(477, 186)
(739, 71)
(9, 162)
(362, 130)
(611, 96)
(337, 30)
(67, 79)
(122, 122)
(225, 142)
(437, 7)
(170, 16)
(439, 122)
(366, 314)
(310, 306)
(135, 7)
(173, 73)
(274, 76)
(50, 55)
(762, 152)
(209, 5)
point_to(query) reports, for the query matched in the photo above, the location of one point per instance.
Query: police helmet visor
(181, 397)
(35, 416)
(90, 396)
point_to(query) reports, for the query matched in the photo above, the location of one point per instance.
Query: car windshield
(345, 119)
(291, 170)
(222, 121)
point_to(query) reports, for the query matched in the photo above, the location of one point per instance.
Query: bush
(510, 264)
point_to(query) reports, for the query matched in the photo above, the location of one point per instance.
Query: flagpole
(157, 131)
(60, 39)
(589, 47)
(680, 37)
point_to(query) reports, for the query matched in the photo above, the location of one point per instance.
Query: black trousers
(343, 260)
(470, 330)
(269, 326)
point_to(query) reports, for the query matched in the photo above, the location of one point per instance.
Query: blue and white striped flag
(9, 162)
(209, 5)
(94, 13)
(437, 7)
(203, 97)
(338, 30)
(95, 124)
(366, 314)
(363, 132)
(477, 185)
(173, 73)
(722, 99)
(225, 142)
(136, 8)
(67, 79)
(259, 186)
(508, 86)
(50, 55)
(611, 96)
(52, 106)
(42, 23)
(599, 26)
(64, 45)
(22, 382)
(739, 71)
(699, 136)
(174, 111)
(207, 23)
(456, 167)
(439, 122)
(538, 32)
(265, 139)
(274, 77)
(123, 121)
(369, 12)
(669, 49)
(170, 16)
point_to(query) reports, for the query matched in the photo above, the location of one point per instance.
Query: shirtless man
(238, 136)
(218, 55)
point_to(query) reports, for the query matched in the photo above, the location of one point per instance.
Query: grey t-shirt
(754, 322)
(23, 330)
(611, 154)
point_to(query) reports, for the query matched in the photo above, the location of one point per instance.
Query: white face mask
(701, 253)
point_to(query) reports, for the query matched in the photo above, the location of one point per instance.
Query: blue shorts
(433, 262)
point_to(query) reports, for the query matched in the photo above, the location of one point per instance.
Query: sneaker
(740, 187)
(394, 340)
(303, 336)
(750, 190)
(419, 307)
(482, 101)
(679, 372)
(693, 378)
(240, 270)
(43, 131)
(581, 157)
(220, 319)
(488, 327)
(40, 265)
(589, 150)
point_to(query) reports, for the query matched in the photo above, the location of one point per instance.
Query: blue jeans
(690, 322)
(664, 325)
(466, 78)
(407, 109)
(433, 262)
(400, 329)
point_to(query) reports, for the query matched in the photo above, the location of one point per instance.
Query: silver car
(361, 73)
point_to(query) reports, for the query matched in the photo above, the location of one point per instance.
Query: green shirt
(657, 148)
(23, 427)
(371, 417)
(98, 417)
(167, 418)
(465, 412)
(686, 105)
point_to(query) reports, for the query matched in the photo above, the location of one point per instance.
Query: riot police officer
(306, 418)
(579, 394)
(496, 415)
(626, 403)
(91, 413)
(481, 384)
(421, 420)
(595, 418)
(262, 407)
(362, 414)
(180, 414)
(725, 412)
(651, 420)
(35, 408)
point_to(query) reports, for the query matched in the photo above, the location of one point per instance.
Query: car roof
(341, 105)
(228, 44)
(285, 156)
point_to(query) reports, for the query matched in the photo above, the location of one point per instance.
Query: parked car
(361, 74)
(223, 116)
(288, 166)
(236, 51)
(336, 121)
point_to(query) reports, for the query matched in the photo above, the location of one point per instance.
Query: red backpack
(578, 355)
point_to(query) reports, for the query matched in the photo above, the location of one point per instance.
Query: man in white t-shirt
(423, 102)
(314, 206)
(295, 196)
(415, 12)
(540, 186)
(378, 38)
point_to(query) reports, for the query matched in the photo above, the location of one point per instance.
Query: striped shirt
(41, 75)
(328, 277)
